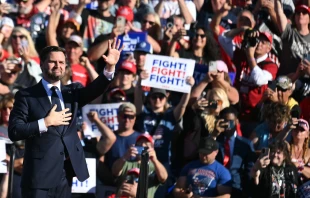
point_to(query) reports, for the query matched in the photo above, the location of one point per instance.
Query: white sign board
(168, 73)
(3, 164)
(107, 113)
(89, 185)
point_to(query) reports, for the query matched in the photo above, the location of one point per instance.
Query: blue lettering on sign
(75, 183)
(129, 41)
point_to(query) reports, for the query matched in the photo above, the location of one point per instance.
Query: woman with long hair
(21, 45)
(151, 24)
(203, 47)
(199, 121)
(298, 146)
(274, 174)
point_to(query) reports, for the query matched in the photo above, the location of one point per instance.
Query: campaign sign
(89, 185)
(129, 41)
(3, 164)
(168, 73)
(200, 72)
(107, 113)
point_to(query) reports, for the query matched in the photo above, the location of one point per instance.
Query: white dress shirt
(47, 86)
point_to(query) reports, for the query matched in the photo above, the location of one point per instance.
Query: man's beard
(52, 76)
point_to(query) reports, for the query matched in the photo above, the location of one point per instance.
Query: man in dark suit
(235, 152)
(45, 116)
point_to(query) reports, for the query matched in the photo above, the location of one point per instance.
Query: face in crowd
(200, 39)
(158, 100)
(54, 67)
(126, 119)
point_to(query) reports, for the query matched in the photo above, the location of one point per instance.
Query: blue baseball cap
(144, 47)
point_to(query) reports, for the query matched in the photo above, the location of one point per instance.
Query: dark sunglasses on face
(18, 36)
(200, 35)
(130, 117)
(154, 97)
(304, 12)
(149, 22)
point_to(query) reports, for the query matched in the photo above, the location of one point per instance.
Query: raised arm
(42, 5)
(217, 17)
(179, 110)
(281, 18)
(107, 136)
(87, 94)
(51, 30)
(186, 13)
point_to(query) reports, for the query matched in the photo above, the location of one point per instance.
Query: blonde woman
(151, 24)
(21, 45)
(201, 119)
(298, 145)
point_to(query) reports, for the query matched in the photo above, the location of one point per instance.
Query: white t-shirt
(172, 8)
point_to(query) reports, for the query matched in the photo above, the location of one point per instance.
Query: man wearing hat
(142, 49)
(132, 159)
(253, 73)
(80, 66)
(284, 89)
(205, 177)
(125, 135)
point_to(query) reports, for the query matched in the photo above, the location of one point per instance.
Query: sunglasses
(200, 35)
(127, 116)
(154, 97)
(303, 12)
(18, 36)
(149, 22)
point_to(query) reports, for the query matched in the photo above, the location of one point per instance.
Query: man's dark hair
(228, 110)
(47, 50)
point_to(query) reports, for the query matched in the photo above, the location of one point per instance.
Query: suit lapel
(43, 98)
(67, 97)
(44, 101)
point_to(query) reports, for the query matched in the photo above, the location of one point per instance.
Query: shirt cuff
(109, 75)
(42, 127)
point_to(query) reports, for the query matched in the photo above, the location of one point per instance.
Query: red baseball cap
(126, 12)
(302, 7)
(146, 136)
(268, 36)
(129, 66)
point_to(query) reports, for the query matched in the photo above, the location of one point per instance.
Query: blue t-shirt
(162, 135)
(120, 147)
(204, 178)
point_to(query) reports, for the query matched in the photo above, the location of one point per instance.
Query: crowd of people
(242, 131)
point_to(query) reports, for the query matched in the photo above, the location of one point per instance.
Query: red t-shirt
(80, 74)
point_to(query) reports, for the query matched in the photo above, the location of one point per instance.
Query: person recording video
(132, 159)
(253, 73)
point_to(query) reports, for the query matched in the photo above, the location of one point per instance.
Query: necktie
(226, 154)
(55, 100)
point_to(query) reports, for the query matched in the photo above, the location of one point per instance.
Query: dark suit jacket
(44, 153)
(243, 160)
